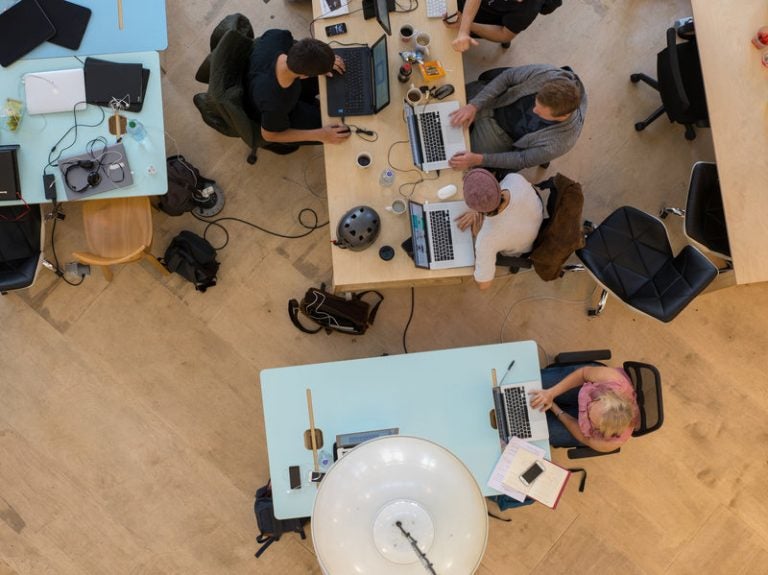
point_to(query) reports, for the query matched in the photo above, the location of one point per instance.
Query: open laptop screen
(419, 235)
(380, 74)
(382, 15)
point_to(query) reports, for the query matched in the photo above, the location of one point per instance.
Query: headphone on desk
(92, 180)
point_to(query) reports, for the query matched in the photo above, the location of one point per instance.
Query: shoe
(281, 149)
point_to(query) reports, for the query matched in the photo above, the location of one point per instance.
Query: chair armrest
(582, 452)
(674, 64)
(586, 356)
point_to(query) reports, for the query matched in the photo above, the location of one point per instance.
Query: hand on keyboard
(467, 219)
(464, 116)
(541, 399)
(465, 160)
(334, 134)
(338, 67)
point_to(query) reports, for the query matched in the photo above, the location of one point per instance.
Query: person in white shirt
(504, 217)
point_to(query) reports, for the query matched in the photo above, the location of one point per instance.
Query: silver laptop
(514, 414)
(54, 91)
(95, 172)
(433, 140)
(438, 243)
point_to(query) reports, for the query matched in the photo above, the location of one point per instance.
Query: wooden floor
(131, 433)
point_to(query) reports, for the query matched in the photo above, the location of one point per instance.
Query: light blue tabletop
(144, 29)
(37, 134)
(444, 396)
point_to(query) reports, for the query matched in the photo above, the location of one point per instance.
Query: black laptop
(23, 27)
(363, 88)
(10, 185)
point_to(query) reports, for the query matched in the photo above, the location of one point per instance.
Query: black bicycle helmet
(358, 228)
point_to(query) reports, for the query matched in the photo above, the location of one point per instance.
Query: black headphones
(93, 179)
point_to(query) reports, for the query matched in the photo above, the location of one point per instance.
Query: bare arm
(542, 399)
(463, 41)
(334, 134)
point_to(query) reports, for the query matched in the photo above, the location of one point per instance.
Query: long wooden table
(737, 97)
(349, 186)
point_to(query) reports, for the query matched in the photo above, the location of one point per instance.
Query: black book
(106, 81)
(10, 184)
(23, 27)
(69, 19)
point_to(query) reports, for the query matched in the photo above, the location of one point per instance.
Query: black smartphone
(529, 475)
(336, 29)
(294, 477)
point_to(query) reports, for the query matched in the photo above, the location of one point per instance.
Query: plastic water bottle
(137, 130)
(387, 177)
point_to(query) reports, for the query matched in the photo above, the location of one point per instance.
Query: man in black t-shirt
(281, 88)
(495, 20)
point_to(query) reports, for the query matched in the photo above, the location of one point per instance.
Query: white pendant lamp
(390, 496)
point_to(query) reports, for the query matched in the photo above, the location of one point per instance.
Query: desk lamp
(399, 505)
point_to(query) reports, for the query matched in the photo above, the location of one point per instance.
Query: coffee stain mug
(398, 207)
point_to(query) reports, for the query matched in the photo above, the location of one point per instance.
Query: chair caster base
(640, 126)
(251, 159)
(690, 133)
(506, 45)
(634, 78)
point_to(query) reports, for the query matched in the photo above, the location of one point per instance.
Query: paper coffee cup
(406, 32)
(413, 96)
(364, 160)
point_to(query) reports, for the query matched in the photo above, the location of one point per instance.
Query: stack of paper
(518, 456)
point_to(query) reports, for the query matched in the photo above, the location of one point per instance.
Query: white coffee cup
(406, 32)
(422, 39)
(414, 95)
(364, 160)
(398, 207)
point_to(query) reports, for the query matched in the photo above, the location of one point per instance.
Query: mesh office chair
(21, 244)
(680, 85)
(704, 222)
(629, 255)
(646, 380)
(559, 235)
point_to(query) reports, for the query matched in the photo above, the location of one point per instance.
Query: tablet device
(69, 19)
(23, 27)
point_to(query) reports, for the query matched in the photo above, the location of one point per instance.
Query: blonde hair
(616, 415)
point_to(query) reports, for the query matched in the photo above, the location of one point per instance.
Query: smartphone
(336, 29)
(530, 474)
(294, 477)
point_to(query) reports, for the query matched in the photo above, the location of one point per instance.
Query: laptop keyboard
(354, 81)
(440, 229)
(432, 137)
(517, 412)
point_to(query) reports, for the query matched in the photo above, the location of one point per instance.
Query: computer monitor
(380, 10)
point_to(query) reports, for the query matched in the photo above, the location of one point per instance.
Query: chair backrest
(681, 83)
(20, 246)
(646, 380)
(704, 214)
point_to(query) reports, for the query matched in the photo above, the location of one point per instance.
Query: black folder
(105, 81)
(23, 27)
(69, 19)
(10, 184)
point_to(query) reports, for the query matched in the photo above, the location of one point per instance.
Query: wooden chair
(118, 231)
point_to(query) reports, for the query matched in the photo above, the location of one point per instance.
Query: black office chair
(629, 254)
(21, 244)
(704, 222)
(680, 85)
(559, 235)
(646, 380)
(222, 106)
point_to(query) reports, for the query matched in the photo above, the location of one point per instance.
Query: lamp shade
(406, 480)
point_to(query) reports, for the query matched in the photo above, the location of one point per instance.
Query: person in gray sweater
(523, 117)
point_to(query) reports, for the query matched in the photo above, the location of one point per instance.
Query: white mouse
(446, 191)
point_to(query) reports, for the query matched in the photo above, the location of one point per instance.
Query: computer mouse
(446, 191)
(443, 91)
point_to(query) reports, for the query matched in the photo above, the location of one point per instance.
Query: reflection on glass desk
(444, 396)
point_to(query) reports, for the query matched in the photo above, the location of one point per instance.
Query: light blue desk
(37, 134)
(144, 29)
(444, 396)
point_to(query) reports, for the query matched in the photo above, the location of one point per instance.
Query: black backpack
(550, 6)
(184, 184)
(334, 313)
(193, 258)
(270, 528)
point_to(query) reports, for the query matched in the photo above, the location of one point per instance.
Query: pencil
(120, 14)
(312, 429)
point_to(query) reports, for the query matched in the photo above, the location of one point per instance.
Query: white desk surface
(349, 186)
(38, 133)
(737, 96)
(444, 396)
(144, 29)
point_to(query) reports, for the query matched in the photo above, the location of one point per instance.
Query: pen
(511, 364)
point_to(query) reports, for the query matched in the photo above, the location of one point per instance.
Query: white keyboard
(436, 8)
